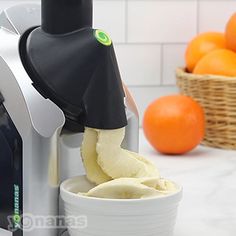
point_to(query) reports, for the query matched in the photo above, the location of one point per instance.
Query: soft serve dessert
(119, 173)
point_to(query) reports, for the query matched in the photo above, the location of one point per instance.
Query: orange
(230, 33)
(201, 45)
(219, 62)
(174, 124)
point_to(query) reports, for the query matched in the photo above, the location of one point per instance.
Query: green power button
(103, 38)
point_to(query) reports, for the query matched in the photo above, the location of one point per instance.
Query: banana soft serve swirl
(119, 173)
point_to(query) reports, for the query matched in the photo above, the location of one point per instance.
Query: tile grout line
(150, 43)
(152, 86)
(128, 0)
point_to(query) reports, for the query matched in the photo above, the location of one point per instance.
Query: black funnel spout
(64, 16)
(78, 70)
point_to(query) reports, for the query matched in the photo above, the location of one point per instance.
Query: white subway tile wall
(173, 56)
(219, 14)
(140, 64)
(161, 21)
(111, 16)
(150, 38)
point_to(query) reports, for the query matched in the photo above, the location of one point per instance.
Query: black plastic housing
(64, 16)
(75, 70)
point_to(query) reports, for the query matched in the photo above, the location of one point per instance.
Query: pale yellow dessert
(119, 173)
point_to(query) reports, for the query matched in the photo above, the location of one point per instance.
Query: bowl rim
(64, 191)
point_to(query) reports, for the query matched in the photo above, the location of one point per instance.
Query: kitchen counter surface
(208, 177)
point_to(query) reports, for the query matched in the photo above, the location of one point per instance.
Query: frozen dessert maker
(57, 76)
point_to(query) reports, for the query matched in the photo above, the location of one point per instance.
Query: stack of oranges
(176, 124)
(213, 53)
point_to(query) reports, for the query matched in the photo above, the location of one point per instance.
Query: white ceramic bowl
(119, 217)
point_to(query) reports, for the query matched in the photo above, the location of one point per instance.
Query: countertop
(208, 177)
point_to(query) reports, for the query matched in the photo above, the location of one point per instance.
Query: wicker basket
(217, 95)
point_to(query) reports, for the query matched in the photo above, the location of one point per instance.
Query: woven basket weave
(217, 95)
